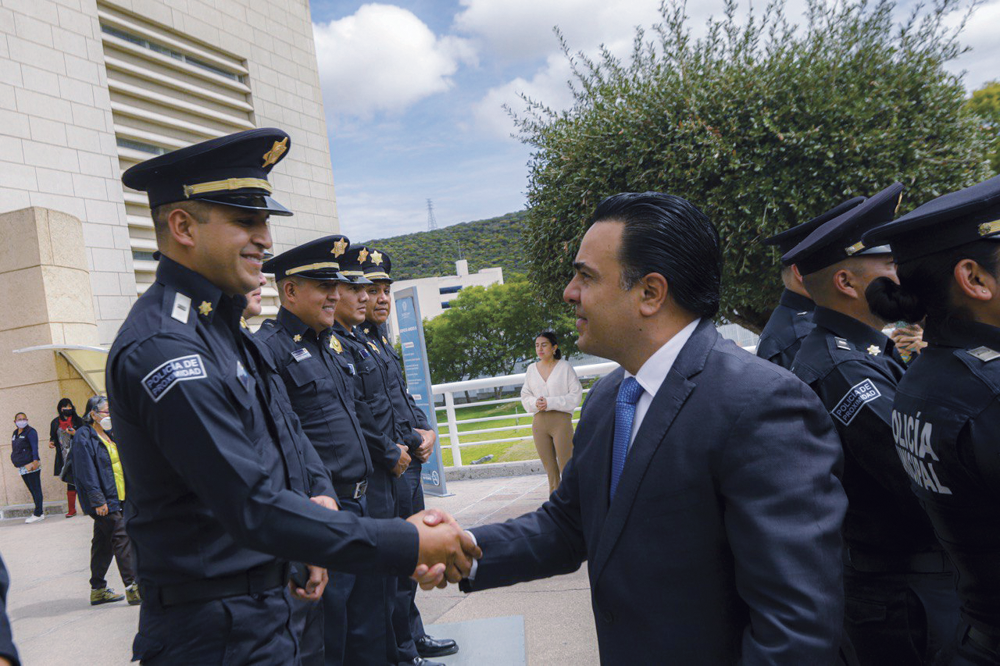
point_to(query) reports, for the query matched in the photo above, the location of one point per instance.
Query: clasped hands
(446, 551)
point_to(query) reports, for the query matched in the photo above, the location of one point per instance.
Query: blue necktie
(628, 396)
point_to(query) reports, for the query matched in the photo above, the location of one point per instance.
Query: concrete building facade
(89, 88)
(434, 294)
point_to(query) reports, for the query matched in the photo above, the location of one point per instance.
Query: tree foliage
(498, 241)
(985, 105)
(488, 331)
(761, 124)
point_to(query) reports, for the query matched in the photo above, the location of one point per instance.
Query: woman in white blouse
(551, 392)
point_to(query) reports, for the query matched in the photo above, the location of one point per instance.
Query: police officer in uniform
(218, 473)
(901, 606)
(319, 381)
(791, 321)
(946, 414)
(416, 433)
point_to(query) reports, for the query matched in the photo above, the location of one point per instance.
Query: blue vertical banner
(418, 381)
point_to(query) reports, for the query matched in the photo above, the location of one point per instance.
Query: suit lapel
(667, 403)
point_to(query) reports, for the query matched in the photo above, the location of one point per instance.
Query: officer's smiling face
(314, 302)
(353, 305)
(605, 313)
(228, 247)
(378, 303)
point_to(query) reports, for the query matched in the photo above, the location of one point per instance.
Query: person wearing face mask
(61, 432)
(24, 455)
(100, 482)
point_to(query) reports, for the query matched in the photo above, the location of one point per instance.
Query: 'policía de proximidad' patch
(854, 400)
(181, 369)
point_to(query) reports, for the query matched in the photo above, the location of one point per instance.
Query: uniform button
(256, 596)
(607, 616)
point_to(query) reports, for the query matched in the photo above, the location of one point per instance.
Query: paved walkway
(54, 625)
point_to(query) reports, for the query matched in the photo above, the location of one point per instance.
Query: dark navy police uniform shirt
(408, 415)
(217, 484)
(946, 427)
(790, 322)
(855, 369)
(321, 392)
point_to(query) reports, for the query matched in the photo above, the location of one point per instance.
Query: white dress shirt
(654, 371)
(562, 390)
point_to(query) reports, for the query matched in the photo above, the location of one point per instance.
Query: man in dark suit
(704, 487)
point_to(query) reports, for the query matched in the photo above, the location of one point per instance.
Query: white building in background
(434, 294)
(89, 88)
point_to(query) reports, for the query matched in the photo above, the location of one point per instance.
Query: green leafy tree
(985, 105)
(488, 331)
(761, 124)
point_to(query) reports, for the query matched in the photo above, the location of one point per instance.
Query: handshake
(446, 551)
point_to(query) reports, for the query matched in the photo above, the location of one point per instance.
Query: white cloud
(548, 86)
(980, 64)
(384, 58)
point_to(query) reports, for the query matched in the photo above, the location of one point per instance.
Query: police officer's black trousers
(110, 541)
(236, 631)
(307, 621)
(899, 618)
(406, 621)
(354, 614)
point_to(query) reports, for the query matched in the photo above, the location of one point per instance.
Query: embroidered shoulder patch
(180, 369)
(854, 400)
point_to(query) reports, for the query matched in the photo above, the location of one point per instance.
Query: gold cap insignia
(377, 258)
(297, 338)
(874, 350)
(339, 248)
(362, 255)
(277, 150)
(205, 308)
(335, 344)
(899, 202)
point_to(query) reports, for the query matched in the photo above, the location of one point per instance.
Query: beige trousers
(553, 433)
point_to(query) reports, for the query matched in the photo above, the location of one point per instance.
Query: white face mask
(21, 423)
(106, 423)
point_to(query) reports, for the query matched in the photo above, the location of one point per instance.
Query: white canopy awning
(86, 360)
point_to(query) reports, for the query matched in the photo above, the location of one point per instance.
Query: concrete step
(24, 510)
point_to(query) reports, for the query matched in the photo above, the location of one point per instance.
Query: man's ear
(974, 281)
(288, 290)
(180, 226)
(654, 291)
(846, 282)
(797, 274)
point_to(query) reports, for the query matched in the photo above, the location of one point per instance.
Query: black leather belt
(254, 581)
(932, 562)
(351, 490)
(982, 639)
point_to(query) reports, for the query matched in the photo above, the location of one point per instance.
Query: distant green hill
(498, 241)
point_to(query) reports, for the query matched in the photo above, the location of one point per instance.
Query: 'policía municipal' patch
(181, 369)
(854, 400)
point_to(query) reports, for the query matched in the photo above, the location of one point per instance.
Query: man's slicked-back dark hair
(668, 235)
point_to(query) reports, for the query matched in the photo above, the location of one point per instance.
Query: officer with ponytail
(946, 413)
(901, 606)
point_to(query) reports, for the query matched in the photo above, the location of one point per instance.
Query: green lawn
(518, 425)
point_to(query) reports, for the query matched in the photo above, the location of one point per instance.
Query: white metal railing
(452, 421)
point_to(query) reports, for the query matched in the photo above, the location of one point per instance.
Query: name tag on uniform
(182, 308)
(301, 354)
(243, 376)
(350, 369)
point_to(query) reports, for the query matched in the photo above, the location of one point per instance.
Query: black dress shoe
(435, 647)
(420, 661)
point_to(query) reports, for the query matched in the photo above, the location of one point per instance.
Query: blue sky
(413, 92)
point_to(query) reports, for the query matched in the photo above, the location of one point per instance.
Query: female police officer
(946, 414)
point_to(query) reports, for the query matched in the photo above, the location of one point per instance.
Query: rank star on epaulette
(874, 350)
(384, 341)
(339, 248)
(297, 338)
(244, 324)
(335, 344)
(277, 150)
(377, 258)
(205, 308)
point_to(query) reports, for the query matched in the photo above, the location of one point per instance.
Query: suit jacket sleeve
(86, 475)
(536, 545)
(779, 477)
